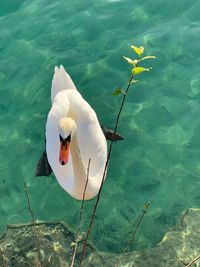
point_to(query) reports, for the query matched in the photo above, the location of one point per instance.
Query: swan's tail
(61, 81)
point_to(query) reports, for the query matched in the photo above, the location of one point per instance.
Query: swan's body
(87, 141)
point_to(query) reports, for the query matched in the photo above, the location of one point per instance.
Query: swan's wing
(93, 146)
(61, 81)
(91, 138)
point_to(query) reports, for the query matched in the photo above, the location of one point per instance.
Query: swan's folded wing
(43, 168)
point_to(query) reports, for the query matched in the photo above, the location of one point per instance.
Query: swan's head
(66, 129)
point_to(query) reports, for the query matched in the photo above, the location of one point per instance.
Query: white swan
(73, 136)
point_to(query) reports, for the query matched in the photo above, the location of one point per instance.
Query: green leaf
(133, 62)
(129, 60)
(147, 57)
(134, 81)
(138, 50)
(118, 91)
(146, 205)
(138, 70)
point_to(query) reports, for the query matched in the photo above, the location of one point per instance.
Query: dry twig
(146, 206)
(193, 261)
(130, 241)
(39, 262)
(80, 216)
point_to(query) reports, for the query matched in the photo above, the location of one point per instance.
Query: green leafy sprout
(136, 69)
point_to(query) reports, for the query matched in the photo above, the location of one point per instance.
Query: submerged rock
(18, 247)
(177, 248)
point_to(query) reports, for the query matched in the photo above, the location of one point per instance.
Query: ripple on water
(160, 154)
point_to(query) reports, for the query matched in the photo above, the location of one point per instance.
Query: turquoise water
(159, 160)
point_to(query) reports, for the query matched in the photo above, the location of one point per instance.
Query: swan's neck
(80, 172)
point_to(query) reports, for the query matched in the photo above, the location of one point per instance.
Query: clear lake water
(159, 160)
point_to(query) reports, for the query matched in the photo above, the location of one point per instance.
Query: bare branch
(39, 262)
(80, 217)
(146, 206)
(193, 261)
(118, 260)
(131, 240)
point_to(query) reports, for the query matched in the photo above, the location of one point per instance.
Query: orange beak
(64, 153)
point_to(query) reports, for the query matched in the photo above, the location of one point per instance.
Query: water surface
(159, 158)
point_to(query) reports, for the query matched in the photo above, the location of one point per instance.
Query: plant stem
(146, 206)
(80, 216)
(105, 169)
(136, 227)
(193, 261)
(39, 263)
